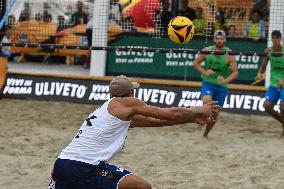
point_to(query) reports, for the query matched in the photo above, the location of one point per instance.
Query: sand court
(242, 151)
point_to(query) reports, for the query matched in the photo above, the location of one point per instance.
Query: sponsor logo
(60, 89)
(156, 96)
(18, 86)
(100, 92)
(134, 57)
(247, 59)
(190, 98)
(246, 102)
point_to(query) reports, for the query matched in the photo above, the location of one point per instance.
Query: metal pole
(100, 37)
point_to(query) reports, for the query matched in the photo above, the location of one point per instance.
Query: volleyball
(180, 30)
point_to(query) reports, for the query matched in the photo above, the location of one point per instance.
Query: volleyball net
(135, 31)
(64, 22)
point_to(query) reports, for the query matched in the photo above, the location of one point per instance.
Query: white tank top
(100, 137)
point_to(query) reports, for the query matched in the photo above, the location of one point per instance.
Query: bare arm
(263, 65)
(280, 83)
(145, 115)
(234, 68)
(142, 121)
(133, 109)
(197, 64)
(167, 114)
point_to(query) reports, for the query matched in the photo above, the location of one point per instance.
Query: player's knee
(282, 108)
(134, 183)
(267, 106)
(148, 186)
(144, 185)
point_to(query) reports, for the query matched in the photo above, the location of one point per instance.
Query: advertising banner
(89, 91)
(175, 65)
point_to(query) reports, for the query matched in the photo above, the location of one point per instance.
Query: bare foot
(205, 136)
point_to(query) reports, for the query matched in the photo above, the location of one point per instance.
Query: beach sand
(242, 152)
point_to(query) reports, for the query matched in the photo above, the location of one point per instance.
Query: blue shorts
(217, 92)
(69, 174)
(273, 94)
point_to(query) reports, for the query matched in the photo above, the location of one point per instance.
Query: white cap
(219, 33)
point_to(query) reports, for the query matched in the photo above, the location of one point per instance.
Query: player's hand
(280, 84)
(210, 108)
(210, 72)
(258, 76)
(221, 79)
(206, 113)
(203, 121)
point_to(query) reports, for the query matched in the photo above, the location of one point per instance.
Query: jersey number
(78, 134)
(89, 123)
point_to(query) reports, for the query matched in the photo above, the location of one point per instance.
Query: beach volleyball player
(275, 90)
(218, 72)
(82, 164)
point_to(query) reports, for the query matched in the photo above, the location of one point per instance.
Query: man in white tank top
(82, 164)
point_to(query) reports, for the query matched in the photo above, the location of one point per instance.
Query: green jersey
(218, 64)
(277, 68)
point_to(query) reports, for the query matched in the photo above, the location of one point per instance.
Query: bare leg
(209, 126)
(133, 182)
(282, 116)
(268, 106)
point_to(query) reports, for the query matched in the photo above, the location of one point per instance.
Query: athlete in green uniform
(280, 84)
(218, 71)
(275, 90)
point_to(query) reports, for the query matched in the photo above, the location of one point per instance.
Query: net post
(100, 37)
(276, 22)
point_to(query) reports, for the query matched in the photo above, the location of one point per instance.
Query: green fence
(175, 65)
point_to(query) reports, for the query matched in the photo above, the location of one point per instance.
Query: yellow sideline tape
(144, 81)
